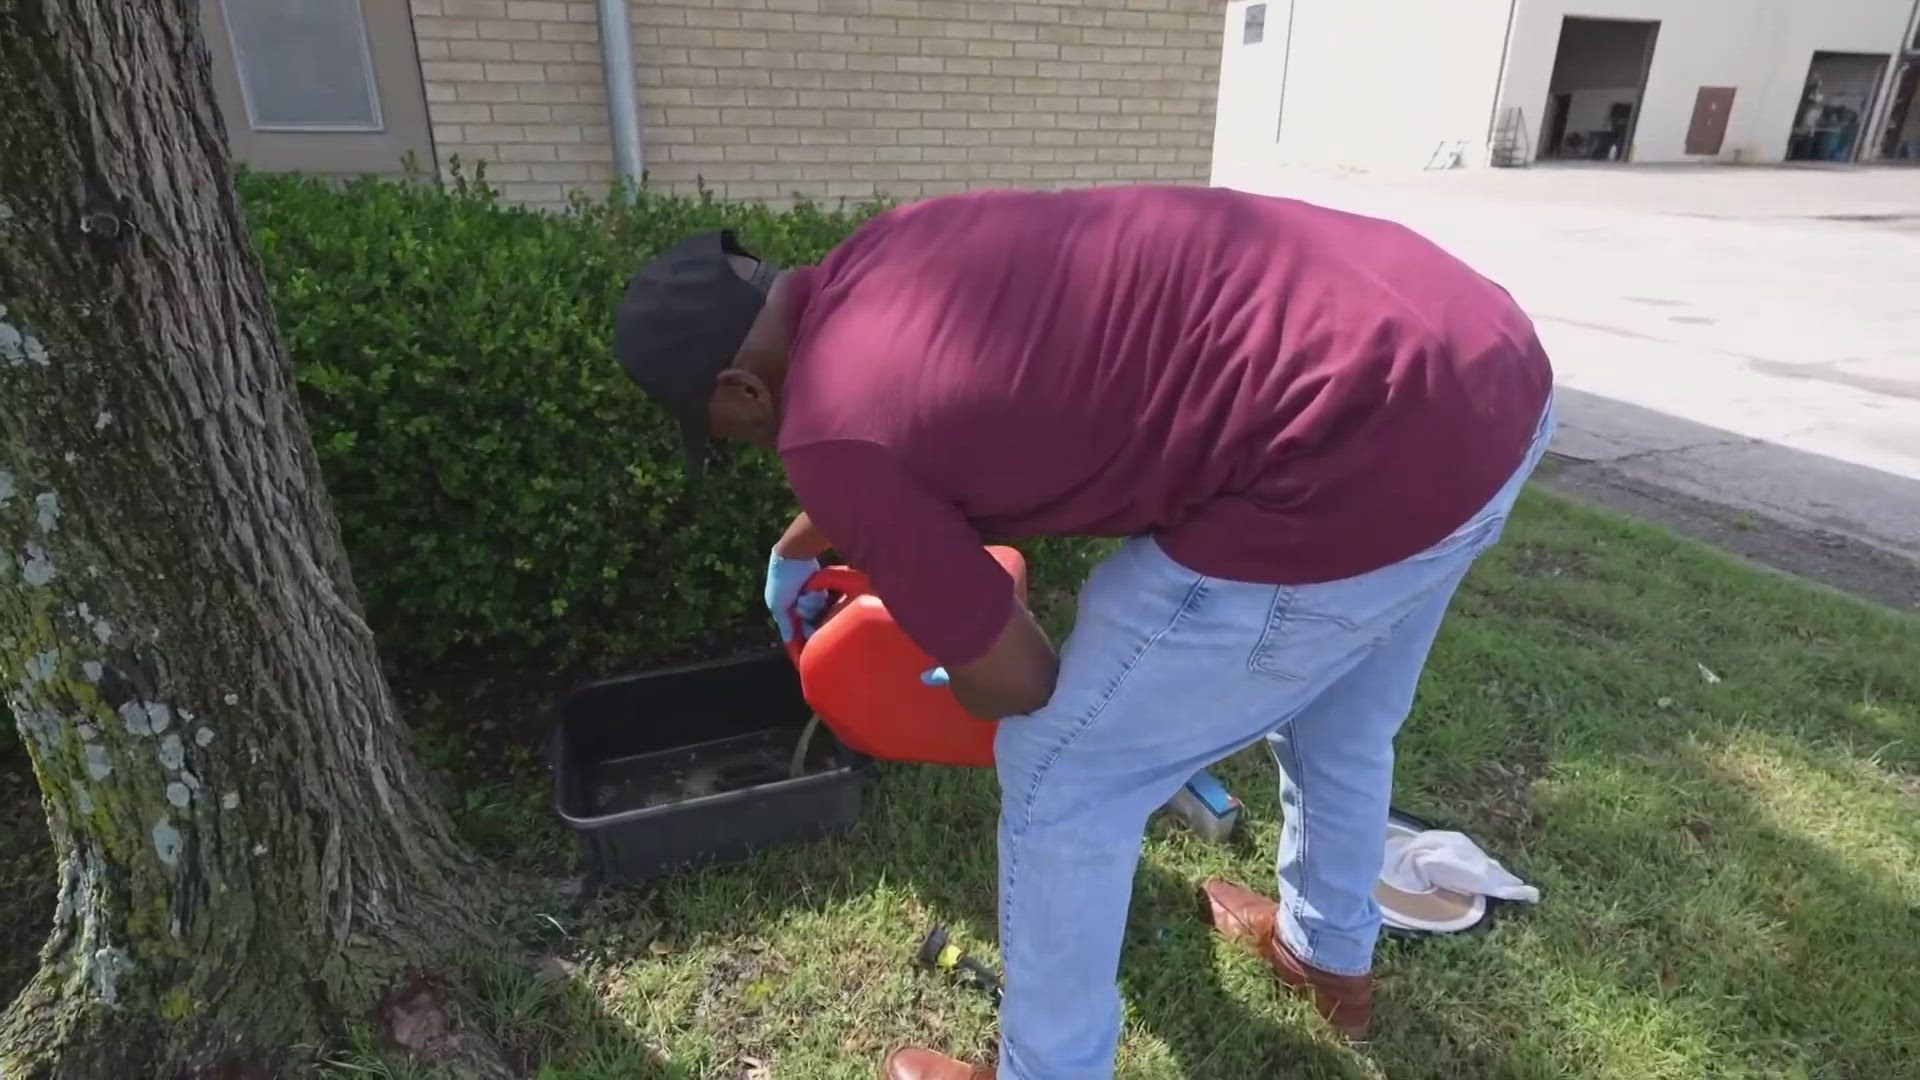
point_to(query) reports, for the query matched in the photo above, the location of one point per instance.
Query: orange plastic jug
(861, 673)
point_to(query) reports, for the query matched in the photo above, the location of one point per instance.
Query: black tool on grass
(939, 953)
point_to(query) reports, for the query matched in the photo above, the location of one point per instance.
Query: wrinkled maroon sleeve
(925, 561)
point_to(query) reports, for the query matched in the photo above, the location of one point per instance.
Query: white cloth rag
(1450, 860)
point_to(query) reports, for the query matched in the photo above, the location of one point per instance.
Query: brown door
(1711, 107)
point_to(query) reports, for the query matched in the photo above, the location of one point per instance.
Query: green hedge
(503, 489)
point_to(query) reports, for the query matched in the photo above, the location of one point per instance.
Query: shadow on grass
(1699, 765)
(807, 954)
(1211, 1025)
(1737, 944)
(554, 1024)
(546, 1023)
(1703, 768)
(1703, 918)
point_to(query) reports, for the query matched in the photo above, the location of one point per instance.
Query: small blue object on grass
(1207, 807)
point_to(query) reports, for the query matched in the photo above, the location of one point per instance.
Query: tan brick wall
(517, 84)
(767, 99)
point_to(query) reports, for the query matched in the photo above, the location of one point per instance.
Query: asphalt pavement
(1749, 336)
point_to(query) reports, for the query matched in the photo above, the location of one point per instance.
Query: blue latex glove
(786, 582)
(935, 676)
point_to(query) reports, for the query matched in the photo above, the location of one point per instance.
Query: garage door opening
(1834, 105)
(1599, 79)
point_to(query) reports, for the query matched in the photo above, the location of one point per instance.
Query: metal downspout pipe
(623, 102)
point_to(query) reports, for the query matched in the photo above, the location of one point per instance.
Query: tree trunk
(247, 853)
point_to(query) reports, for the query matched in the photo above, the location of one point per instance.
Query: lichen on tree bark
(247, 853)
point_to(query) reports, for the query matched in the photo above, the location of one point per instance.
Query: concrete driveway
(1746, 335)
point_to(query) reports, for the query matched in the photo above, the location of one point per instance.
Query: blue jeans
(1166, 672)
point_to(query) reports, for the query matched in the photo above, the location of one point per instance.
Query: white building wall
(1760, 47)
(1358, 83)
(1377, 84)
(1247, 117)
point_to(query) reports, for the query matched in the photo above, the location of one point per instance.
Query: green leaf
(502, 488)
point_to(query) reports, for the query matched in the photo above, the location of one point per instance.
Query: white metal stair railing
(1447, 155)
(1512, 147)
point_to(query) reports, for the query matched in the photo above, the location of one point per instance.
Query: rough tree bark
(247, 853)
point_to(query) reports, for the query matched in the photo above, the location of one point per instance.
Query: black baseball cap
(682, 321)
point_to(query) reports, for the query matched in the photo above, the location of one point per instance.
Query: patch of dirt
(1538, 560)
(740, 988)
(1496, 796)
(1910, 785)
(1701, 829)
(420, 1021)
(1839, 562)
(486, 709)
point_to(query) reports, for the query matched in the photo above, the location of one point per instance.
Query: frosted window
(304, 65)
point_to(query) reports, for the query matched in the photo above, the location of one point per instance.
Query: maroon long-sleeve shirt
(1277, 392)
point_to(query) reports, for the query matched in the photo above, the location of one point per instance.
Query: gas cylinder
(861, 673)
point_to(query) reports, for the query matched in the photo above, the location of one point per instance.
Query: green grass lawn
(1712, 772)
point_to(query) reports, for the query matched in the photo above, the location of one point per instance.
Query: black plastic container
(694, 765)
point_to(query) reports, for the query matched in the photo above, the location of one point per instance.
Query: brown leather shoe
(914, 1063)
(1346, 1001)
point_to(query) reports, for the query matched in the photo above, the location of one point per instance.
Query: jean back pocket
(1315, 628)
